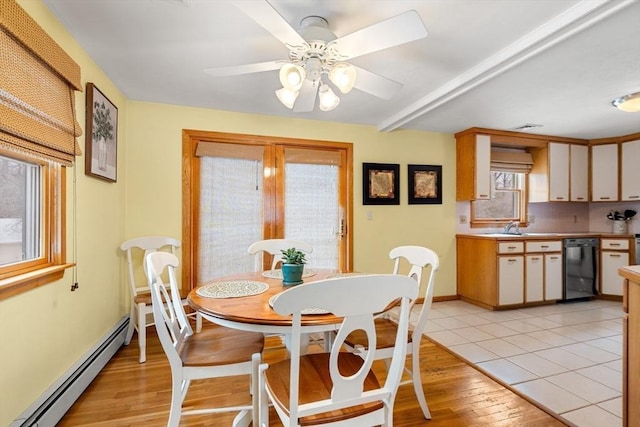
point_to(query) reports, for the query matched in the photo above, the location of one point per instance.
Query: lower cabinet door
(553, 276)
(611, 282)
(534, 278)
(510, 279)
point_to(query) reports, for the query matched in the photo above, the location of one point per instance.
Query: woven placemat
(232, 289)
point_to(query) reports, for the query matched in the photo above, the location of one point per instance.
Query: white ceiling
(486, 63)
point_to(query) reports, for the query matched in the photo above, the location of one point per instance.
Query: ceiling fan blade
(376, 84)
(268, 18)
(394, 31)
(307, 97)
(235, 70)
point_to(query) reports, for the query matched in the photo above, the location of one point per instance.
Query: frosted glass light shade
(343, 75)
(629, 103)
(292, 76)
(287, 97)
(328, 99)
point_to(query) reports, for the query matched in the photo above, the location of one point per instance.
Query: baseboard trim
(56, 401)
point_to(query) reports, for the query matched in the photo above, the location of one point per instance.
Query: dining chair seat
(313, 367)
(216, 345)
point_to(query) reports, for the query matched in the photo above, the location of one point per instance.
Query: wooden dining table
(254, 312)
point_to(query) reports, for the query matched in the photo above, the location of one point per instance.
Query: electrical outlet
(575, 219)
(531, 219)
(463, 219)
(369, 215)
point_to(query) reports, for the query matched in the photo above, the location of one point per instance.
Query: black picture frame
(380, 184)
(101, 139)
(425, 184)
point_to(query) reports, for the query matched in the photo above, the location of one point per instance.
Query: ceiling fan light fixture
(328, 99)
(287, 97)
(629, 103)
(343, 75)
(292, 76)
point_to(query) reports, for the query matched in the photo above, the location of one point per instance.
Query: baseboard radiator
(56, 401)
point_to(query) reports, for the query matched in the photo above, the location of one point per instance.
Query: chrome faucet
(510, 225)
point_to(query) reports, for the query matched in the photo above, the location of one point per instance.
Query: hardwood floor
(127, 393)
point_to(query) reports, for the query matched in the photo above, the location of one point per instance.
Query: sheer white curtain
(230, 215)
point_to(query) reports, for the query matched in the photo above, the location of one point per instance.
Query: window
(38, 131)
(31, 229)
(507, 202)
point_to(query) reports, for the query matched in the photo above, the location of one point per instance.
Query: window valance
(511, 161)
(38, 81)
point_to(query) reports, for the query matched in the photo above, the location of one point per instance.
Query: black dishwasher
(580, 268)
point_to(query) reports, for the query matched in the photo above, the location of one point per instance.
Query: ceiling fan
(316, 54)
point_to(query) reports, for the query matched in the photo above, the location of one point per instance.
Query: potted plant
(293, 262)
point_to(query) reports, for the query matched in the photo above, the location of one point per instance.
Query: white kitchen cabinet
(630, 171)
(558, 172)
(473, 166)
(604, 173)
(510, 279)
(483, 167)
(579, 173)
(614, 253)
(534, 278)
(543, 274)
(553, 276)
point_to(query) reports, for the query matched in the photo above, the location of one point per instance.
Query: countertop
(631, 272)
(544, 235)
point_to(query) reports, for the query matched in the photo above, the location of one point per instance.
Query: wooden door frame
(191, 190)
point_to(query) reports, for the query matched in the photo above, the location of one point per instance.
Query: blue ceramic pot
(292, 274)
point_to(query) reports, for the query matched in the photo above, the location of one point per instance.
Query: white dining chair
(273, 247)
(419, 258)
(140, 314)
(214, 352)
(338, 388)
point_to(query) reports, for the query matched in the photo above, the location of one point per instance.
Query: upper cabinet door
(483, 167)
(579, 167)
(558, 172)
(604, 173)
(630, 171)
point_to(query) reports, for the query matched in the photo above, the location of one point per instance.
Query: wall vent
(526, 126)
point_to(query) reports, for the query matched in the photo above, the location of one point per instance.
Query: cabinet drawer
(619, 244)
(510, 247)
(533, 246)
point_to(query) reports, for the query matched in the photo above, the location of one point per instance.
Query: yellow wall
(154, 162)
(43, 332)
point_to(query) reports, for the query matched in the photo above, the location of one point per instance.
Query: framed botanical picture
(425, 185)
(380, 184)
(101, 139)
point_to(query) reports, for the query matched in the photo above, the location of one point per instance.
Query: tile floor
(567, 357)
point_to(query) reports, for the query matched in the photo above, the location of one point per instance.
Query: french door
(241, 188)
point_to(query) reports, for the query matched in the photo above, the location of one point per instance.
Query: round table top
(255, 309)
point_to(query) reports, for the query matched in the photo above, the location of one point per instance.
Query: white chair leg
(198, 322)
(263, 399)
(256, 359)
(132, 324)
(176, 402)
(417, 384)
(142, 333)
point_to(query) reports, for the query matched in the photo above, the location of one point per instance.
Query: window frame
(49, 267)
(522, 206)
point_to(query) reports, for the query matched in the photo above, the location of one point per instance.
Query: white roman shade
(518, 161)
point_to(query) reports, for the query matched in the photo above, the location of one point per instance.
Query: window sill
(21, 283)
